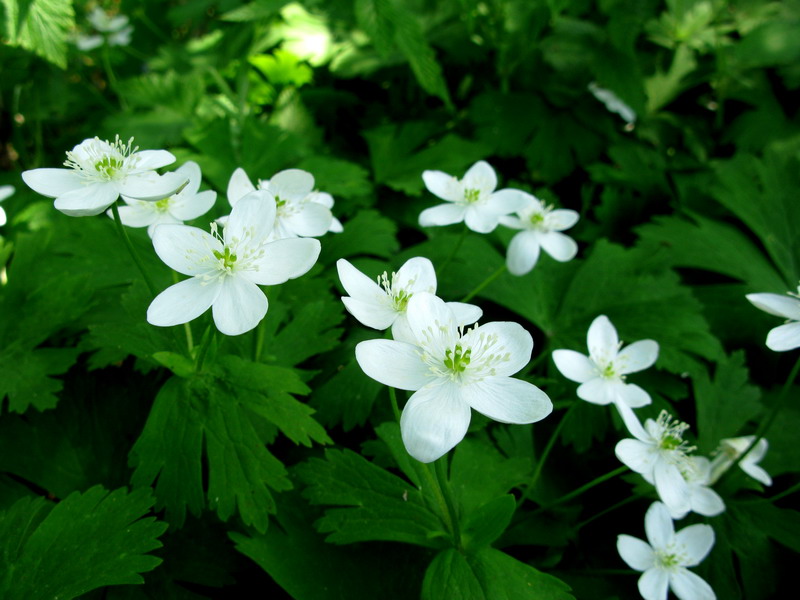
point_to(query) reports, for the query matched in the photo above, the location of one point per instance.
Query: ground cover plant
(399, 299)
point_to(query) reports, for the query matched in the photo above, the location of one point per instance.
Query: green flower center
(279, 202)
(537, 218)
(669, 559)
(456, 359)
(227, 257)
(472, 195)
(400, 300)
(108, 166)
(163, 204)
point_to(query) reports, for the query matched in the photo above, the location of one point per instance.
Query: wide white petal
(632, 395)
(291, 184)
(671, 487)
(504, 202)
(561, 219)
(574, 365)
(442, 185)
(785, 306)
(186, 249)
(2, 216)
(149, 160)
(6, 191)
(523, 252)
(190, 170)
(150, 186)
(239, 307)
(465, 314)
(417, 275)
(283, 260)
(507, 400)
(336, 226)
(239, 186)
(434, 421)
(784, 337)
(378, 315)
(635, 552)
(654, 584)
(52, 182)
(561, 247)
(599, 391)
(401, 330)
(323, 198)
(137, 214)
(357, 284)
(705, 501)
(182, 302)
(393, 363)
(602, 340)
(501, 338)
(312, 220)
(756, 472)
(697, 541)
(251, 219)
(658, 526)
(636, 357)
(432, 320)
(187, 207)
(480, 176)
(481, 219)
(688, 586)
(636, 455)
(87, 201)
(443, 214)
(511, 221)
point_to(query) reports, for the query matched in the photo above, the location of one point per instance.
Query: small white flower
(730, 449)
(115, 29)
(5, 192)
(541, 226)
(472, 199)
(613, 103)
(383, 306)
(99, 171)
(450, 372)
(786, 336)
(665, 558)
(702, 499)
(184, 205)
(302, 212)
(602, 373)
(661, 455)
(227, 270)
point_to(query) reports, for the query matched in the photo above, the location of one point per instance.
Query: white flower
(383, 306)
(5, 192)
(99, 171)
(226, 271)
(184, 205)
(660, 454)
(786, 336)
(613, 103)
(730, 449)
(541, 227)
(602, 373)
(116, 29)
(665, 558)
(450, 372)
(301, 211)
(702, 499)
(472, 199)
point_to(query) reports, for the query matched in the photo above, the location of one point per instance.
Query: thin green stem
(393, 400)
(581, 490)
(485, 282)
(611, 508)
(444, 486)
(187, 329)
(124, 235)
(787, 492)
(205, 343)
(112, 78)
(456, 248)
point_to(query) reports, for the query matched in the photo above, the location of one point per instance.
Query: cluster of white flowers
(474, 201)
(114, 30)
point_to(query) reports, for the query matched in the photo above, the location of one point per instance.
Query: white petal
(252, 218)
(283, 260)
(776, 304)
(480, 176)
(6, 191)
(601, 391)
(312, 220)
(658, 526)
(697, 541)
(507, 400)
(784, 337)
(186, 249)
(480, 219)
(87, 201)
(636, 455)
(191, 171)
(756, 472)
(393, 363)
(52, 182)
(561, 247)
(706, 501)
(2, 216)
(417, 275)
(434, 421)
(336, 226)
(401, 330)
(632, 422)
(377, 315)
(574, 365)
(442, 185)
(291, 184)
(239, 186)
(182, 302)
(150, 186)
(671, 487)
(654, 584)
(523, 252)
(465, 314)
(443, 214)
(323, 198)
(511, 221)
(429, 317)
(239, 307)
(632, 395)
(186, 208)
(137, 214)
(507, 339)
(635, 552)
(507, 201)
(149, 160)
(636, 357)
(688, 586)
(602, 340)
(561, 219)
(358, 285)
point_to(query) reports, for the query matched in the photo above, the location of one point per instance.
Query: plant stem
(584, 488)
(444, 486)
(124, 235)
(205, 343)
(393, 400)
(484, 283)
(787, 492)
(456, 248)
(611, 508)
(112, 78)
(187, 329)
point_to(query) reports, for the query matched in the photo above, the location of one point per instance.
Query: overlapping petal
(507, 400)
(239, 306)
(283, 260)
(393, 363)
(186, 249)
(182, 302)
(87, 200)
(635, 552)
(434, 421)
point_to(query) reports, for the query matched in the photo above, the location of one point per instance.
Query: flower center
(97, 160)
(472, 195)
(398, 294)
(670, 557)
(457, 359)
(162, 205)
(226, 258)
(674, 448)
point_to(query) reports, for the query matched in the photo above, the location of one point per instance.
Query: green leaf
(367, 233)
(43, 26)
(254, 11)
(177, 363)
(338, 177)
(86, 541)
(488, 575)
(347, 397)
(488, 523)
(379, 505)
(26, 375)
(725, 404)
